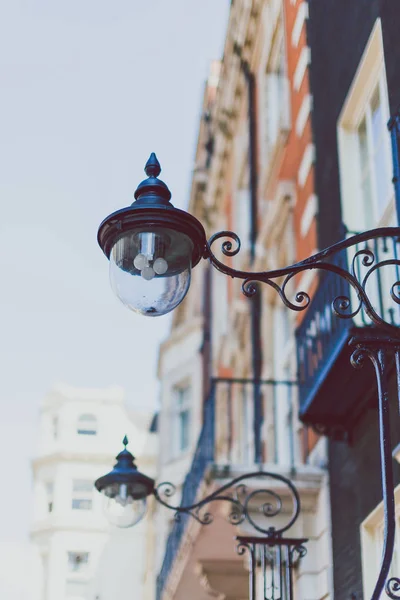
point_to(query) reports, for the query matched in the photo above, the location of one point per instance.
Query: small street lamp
(125, 491)
(152, 247)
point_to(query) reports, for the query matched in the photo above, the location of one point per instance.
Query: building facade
(293, 155)
(354, 74)
(228, 370)
(80, 556)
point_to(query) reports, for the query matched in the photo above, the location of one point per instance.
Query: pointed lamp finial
(152, 168)
(125, 441)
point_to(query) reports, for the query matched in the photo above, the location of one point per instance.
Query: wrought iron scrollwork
(266, 503)
(365, 263)
(279, 279)
(377, 351)
(273, 552)
(392, 588)
(276, 557)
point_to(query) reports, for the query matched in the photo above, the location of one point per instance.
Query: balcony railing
(228, 436)
(322, 337)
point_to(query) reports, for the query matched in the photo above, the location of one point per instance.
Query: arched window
(87, 425)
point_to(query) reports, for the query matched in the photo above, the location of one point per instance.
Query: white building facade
(81, 556)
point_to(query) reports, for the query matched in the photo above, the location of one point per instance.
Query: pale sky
(88, 89)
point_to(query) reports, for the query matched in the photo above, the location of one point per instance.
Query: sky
(88, 89)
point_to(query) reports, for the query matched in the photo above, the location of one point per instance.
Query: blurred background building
(79, 555)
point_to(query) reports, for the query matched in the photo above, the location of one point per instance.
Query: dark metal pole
(255, 307)
(376, 350)
(289, 574)
(253, 570)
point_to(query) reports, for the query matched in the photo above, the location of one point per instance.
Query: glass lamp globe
(150, 270)
(120, 506)
(152, 247)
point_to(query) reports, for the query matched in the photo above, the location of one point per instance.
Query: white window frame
(283, 394)
(275, 98)
(82, 495)
(242, 207)
(91, 421)
(80, 564)
(55, 427)
(371, 74)
(241, 219)
(49, 490)
(242, 396)
(371, 532)
(178, 409)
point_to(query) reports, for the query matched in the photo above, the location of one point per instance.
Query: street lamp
(135, 238)
(152, 247)
(126, 489)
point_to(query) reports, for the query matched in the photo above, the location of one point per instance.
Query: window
(82, 493)
(374, 161)
(364, 144)
(49, 486)
(372, 530)
(78, 561)
(275, 95)
(245, 423)
(54, 427)
(87, 425)
(241, 201)
(283, 400)
(181, 418)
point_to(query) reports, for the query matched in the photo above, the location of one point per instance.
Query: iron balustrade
(321, 336)
(222, 441)
(237, 433)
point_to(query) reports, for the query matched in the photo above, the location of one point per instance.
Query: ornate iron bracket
(341, 305)
(276, 558)
(363, 264)
(242, 502)
(275, 554)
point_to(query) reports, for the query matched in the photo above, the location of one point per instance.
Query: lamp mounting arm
(363, 264)
(245, 503)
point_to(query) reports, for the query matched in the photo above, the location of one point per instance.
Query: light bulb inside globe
(121, 508)
(150, 270)
(140, 262)
(148, 273)
(160, 266)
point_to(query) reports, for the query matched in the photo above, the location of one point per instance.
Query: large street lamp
(152, 247)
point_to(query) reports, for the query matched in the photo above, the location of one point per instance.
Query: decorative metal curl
(227, 245)
(242, 548)
(376, 350)
(392, 588)
(298, 552)
(341, 305)
(242, 503)
(395, 295)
